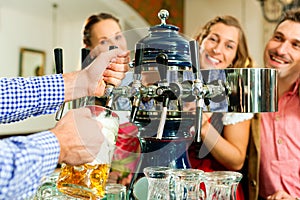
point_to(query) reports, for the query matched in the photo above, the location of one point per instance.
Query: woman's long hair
(242, 58)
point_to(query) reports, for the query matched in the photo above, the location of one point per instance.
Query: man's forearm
(75, 85)
(25, 97)
(25, 160)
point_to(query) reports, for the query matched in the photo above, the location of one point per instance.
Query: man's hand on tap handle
(108, 67)
(115, 71)
(113, 74)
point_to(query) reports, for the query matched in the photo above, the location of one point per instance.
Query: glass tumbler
(158, 182)
(48, 190)
(186, 184)
(238, 177)
(88, 180)
(220, 184)
(115, 191)
(48, 187)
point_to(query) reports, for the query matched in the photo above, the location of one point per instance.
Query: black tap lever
(197, 87)
(162, 60)
(85, 61)
(137, 83)
(84, 56)
(164, 91)
(58, 57)
(109, 91)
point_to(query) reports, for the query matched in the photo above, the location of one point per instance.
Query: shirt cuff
(49, 144)
(52, 91)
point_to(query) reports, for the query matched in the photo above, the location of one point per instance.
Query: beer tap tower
(158, 107)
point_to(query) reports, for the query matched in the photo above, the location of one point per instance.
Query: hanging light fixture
(273, 9)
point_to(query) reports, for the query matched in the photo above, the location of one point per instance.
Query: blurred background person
(99, 32)
(224, 136)
(274, 147)
(94, 34)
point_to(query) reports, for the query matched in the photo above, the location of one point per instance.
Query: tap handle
(108, 85)
(84, 55)
(58, 56)
(109, 94)
(138, 59)
(109, 89)
(163, 117)
(194, 52)
(136, 93)
(198, 120)
(162, 60)
(112, 47)
(134, 110)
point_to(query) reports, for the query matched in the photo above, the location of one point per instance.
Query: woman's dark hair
(292, 15)
(93, 19)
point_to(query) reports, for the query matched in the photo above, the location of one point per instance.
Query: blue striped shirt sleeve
(24, 161)
(21, 97)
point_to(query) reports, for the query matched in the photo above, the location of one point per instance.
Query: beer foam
(110, 127)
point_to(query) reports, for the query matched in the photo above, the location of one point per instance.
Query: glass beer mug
(185, 184)
(158, 182)
(88, 180)
(221, 185)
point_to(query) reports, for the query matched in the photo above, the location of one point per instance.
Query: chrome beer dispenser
(157, 103)
(163, 79)
(166, 76)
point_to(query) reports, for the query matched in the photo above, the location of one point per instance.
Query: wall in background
(149, 9)
(21, 29)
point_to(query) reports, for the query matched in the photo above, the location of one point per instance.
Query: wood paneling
(149, 9)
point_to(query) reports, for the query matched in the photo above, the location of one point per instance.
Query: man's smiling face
(282, 51)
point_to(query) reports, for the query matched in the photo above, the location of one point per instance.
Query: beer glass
(88, 180)
(115, 191)
(48, 187)
(186, 184)
(219, 184)
(48, 190)
(158, 182)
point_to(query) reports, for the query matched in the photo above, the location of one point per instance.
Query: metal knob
(163, 15)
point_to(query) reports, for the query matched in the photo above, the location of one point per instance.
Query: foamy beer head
(110, 126)
(88, 181)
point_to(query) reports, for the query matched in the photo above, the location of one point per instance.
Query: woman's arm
(229, 150)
